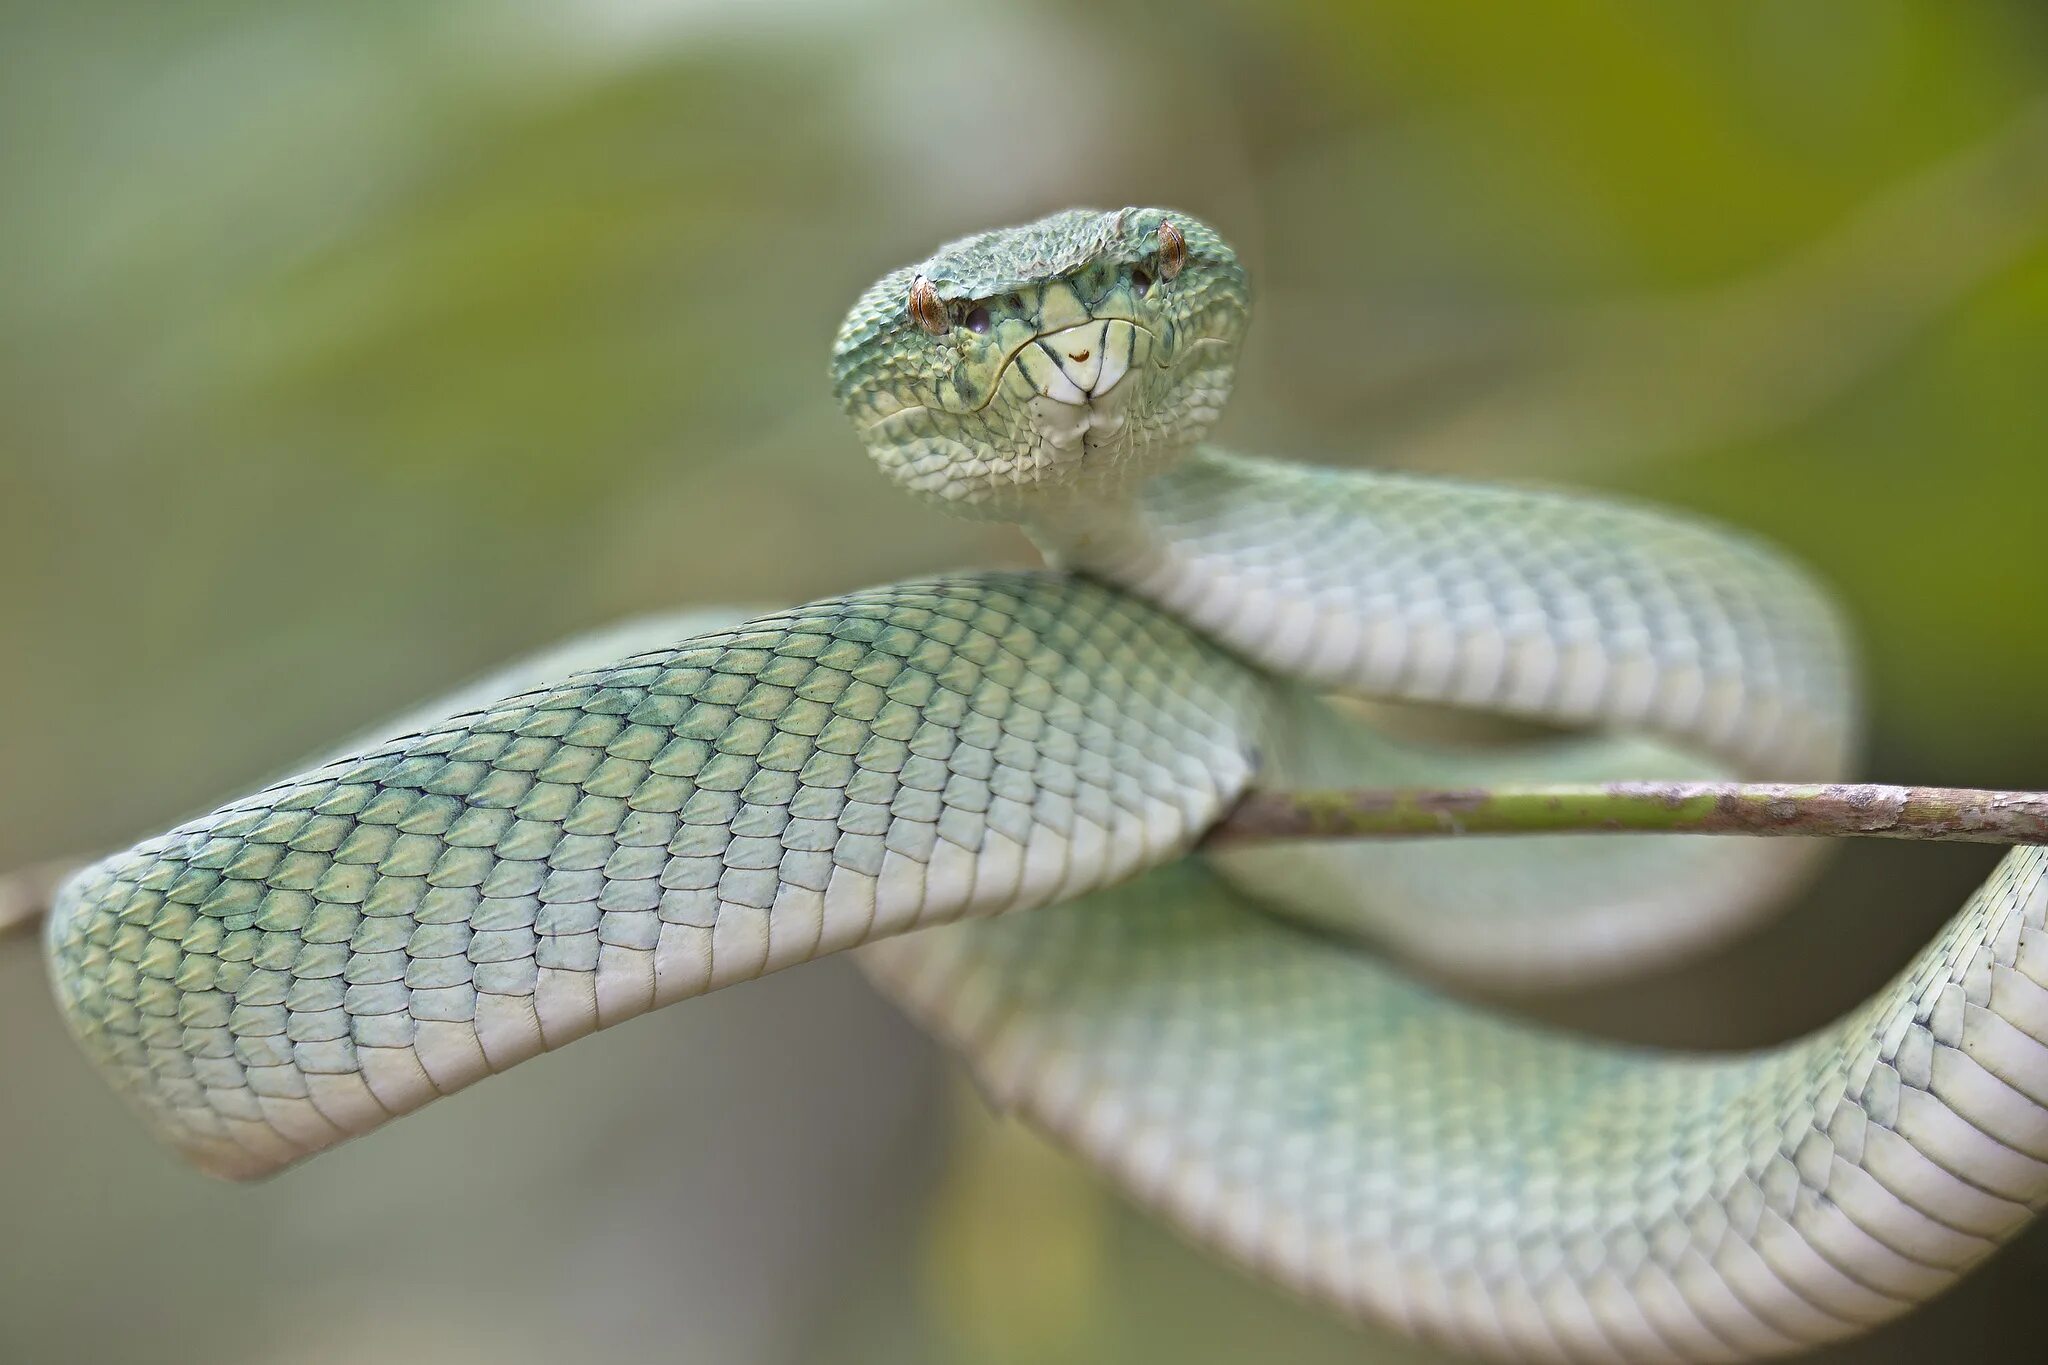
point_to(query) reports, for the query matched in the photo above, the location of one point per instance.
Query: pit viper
(992, 784)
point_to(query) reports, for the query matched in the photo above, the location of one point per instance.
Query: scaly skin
(342, 947)
(346, 945)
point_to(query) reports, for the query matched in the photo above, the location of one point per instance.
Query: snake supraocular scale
(688, 809)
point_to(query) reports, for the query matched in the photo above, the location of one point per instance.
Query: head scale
(1020, 370)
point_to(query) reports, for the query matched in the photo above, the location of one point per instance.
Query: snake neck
(1564, 611)
(1087, 536)
(1117, 533)
(1153, 538)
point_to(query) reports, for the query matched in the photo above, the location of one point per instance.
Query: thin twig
(1953, 814)
(1947, 813)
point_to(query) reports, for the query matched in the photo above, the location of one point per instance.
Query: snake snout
(1079, 364)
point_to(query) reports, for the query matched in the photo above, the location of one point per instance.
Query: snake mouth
(1080, 364)
(1074, 366)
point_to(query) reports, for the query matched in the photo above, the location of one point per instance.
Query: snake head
(1020, 370)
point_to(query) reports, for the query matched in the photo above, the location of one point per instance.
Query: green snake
(1019, 765)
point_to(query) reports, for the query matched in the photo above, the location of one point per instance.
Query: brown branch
(1948, 813)
(1954, 814)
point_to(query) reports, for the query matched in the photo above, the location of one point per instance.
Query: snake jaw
(1076, 376)
(1082, 364)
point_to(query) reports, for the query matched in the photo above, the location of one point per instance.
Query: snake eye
(925, 309)
(1173, 250)
(977, 320)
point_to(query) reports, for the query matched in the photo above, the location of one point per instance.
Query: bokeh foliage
(348, 349)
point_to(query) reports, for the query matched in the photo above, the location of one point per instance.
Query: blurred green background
(346, 350)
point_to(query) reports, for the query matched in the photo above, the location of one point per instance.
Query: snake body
(1017, 765)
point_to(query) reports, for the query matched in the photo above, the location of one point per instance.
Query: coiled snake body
(667, 810)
